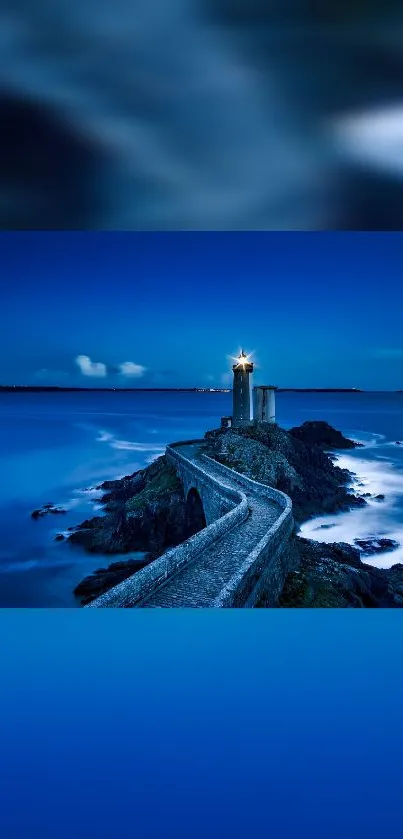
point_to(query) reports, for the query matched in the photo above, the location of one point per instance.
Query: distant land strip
(53, 388)
(56, 388)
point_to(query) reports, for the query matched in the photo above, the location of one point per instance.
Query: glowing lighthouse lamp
(242, 369)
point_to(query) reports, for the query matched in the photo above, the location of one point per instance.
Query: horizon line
(194, 388)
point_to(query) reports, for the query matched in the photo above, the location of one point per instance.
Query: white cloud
(129, 368)
(91, 368)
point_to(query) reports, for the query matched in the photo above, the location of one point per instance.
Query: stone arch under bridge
(196, 486)
(194, 512)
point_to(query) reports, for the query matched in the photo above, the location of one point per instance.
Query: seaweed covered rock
(280, 459)
(333, 575)
(145, 512)
(251, 457)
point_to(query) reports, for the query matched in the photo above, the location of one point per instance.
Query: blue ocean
(57, 447)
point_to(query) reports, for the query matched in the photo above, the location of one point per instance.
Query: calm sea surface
(56, 447)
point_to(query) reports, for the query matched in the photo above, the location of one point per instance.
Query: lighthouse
(242, 369)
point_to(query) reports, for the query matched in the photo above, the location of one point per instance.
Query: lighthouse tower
(241, 390)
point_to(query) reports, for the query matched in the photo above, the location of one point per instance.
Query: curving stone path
(245, 552)
(201, 583)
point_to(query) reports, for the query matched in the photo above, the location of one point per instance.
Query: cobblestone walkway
(199, 583)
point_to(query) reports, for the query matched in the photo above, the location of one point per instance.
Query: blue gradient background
(166, 724)
(317, 310)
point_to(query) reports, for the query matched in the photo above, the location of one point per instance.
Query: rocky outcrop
(123, 489)
(145, 512)
(375, 545)
(46, 509)
(105, 578)
(280, 459)
(333, 575)
(251, 457)
(320, 433)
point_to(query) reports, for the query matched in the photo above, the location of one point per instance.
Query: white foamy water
(377, 476)
(129, 445)
(92, 493)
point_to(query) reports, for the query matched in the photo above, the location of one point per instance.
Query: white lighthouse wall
(264, 404)
(271, 406)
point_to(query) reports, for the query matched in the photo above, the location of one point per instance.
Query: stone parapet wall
(131, 591)
(266, 566)
(263, 569)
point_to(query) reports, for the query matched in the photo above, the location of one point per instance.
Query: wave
(128, 445)
(379, 518)
(104, 437)
(92, 493)
(367, 439)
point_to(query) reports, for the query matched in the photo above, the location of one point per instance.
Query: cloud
(129, 368)
(91, 368)
(387, 352)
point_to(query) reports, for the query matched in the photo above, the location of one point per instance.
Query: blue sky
(155, 309)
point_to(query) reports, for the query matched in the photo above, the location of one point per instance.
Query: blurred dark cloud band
(201, 114)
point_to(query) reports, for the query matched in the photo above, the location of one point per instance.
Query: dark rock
(379, 497)
(333, 575)
(105, 578)
(59, 537)
(116, 483)
(322, 434)
(123, 489)
(152, 519)
(358, 501)
(325, 526)
(398, 443)
(47, 508)
(375, 545)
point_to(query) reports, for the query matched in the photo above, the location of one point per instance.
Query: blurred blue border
(200, 724)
